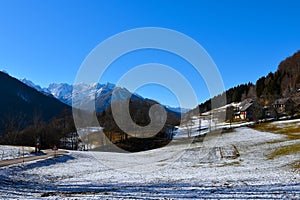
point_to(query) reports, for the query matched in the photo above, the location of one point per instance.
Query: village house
(284, 105)
(246, 109)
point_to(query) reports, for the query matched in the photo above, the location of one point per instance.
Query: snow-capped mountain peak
(84, 93)
(60, 90)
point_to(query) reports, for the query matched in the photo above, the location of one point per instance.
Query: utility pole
(199, 123)
(23, 153)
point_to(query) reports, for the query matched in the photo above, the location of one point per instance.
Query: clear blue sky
(46, 41)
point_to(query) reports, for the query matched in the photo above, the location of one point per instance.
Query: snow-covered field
(197, 171)
(10, 152)
(205, 125)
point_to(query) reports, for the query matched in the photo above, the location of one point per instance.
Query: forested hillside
(283, 83)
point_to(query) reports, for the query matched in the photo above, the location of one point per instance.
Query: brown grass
(286, 150)
(291, 130)
(296, 164)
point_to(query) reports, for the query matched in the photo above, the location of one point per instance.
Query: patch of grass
(196, 166)
(291, 130)
(286, 150)
(296, 165)
(229, 164)
(162, 164)
(273, 141)
(234, 163)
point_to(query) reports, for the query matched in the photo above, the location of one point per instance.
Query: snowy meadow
(201, 171)
(11, 152)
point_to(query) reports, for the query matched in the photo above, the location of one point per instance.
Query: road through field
(48, 154)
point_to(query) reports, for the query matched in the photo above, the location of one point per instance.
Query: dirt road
(48, 154)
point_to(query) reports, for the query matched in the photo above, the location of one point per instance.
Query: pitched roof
(281, 101)
(246, 106)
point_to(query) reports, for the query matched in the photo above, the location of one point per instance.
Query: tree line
(46, 133)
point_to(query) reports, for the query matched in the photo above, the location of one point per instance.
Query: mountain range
(102, 93)
(28, 111)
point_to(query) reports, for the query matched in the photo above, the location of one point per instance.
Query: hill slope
(21, 105)
(283, 83)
